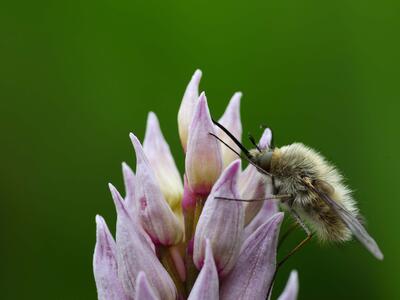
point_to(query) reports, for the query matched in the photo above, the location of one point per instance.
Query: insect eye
(265, 160)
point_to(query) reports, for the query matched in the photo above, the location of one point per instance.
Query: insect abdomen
(324, 221)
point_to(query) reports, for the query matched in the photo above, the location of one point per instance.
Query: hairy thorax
(289, 165)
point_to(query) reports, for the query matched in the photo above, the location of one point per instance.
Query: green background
(77, 76)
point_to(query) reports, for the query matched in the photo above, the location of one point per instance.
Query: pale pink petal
(206, 286)
(159, 155)
(105, 270)
(143, 290)
(221, 222)
(134, 254)
(253, 272)
(253, 186)
(154, 212)
(292, 288)
(186, 109)
(265, 140)
(203, 162)
(231, 121)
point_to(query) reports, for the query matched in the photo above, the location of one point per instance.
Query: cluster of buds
(175, 239)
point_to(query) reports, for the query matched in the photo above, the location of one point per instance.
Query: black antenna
(233, 150)
(249, 158)
(253, 141)
(239, 144)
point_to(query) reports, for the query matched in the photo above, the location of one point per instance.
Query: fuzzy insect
(312, 190)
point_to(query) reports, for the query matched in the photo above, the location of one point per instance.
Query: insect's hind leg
(284, 236)
(294, 250)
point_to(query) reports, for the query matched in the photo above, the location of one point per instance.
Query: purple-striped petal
(154, 212)
(134, 254)
(105, 271)
(231, 121)
(221, 222)
(203, 162)
(253, 272)
(292, 287)
(269, 208)
(159, 155)
(143, 290)
(207, 284)
(187, 107)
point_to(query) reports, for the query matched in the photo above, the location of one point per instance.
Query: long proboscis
(274, 197)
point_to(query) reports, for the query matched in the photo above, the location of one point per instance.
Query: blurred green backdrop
(77, 76)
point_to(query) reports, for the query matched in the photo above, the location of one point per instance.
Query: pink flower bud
(255, 267)
(134, 254)
(206, 285)
(221, 222)
(231, 121)
(203, 158)
(154, 212)
(159, 155)
(105, 271)
(187, 107)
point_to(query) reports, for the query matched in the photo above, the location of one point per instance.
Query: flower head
(179, 236)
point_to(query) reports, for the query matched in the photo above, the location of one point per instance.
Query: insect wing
(353, 224)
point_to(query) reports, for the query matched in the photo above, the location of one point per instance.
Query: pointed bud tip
(236, 97)
(100, 221)
(152, 119)
(138, 147)
(278, 217)
(118, 201)
(132, 136)
(197, 76)
(202, 96)
(233, 168)
(126, 167)
(265, 140)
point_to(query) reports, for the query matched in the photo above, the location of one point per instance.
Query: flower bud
(207, 283)
(154, 212)
(255, 267)
(187, 107)
(203, 158)
(108, 284)
(221, 222)
(231, 121)
(292, 288)
(134, 254)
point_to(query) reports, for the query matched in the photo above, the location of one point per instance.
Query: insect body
(293, 167)
(315, 193)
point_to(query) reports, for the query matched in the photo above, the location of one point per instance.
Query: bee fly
(311, 190)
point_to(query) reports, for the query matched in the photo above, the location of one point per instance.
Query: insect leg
(279, 264)
(292, 227)
(294, 250)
